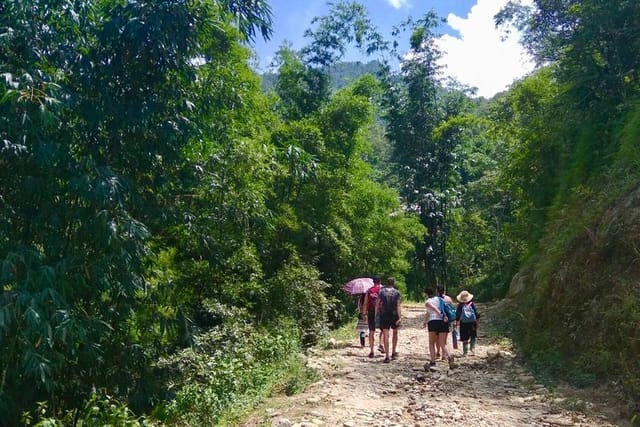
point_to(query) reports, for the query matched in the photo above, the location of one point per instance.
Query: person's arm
(399, 310)
(436, 309)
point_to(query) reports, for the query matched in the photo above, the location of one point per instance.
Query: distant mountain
(342, 74)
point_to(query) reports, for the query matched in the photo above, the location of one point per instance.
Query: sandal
(386, 360)
(381, 348)
(371, 355)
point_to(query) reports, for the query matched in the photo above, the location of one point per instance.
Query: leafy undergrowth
(588, 390)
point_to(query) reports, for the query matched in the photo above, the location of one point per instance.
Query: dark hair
(376, 279)
(391, 281)
(440, 290)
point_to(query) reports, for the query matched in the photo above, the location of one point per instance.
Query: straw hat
(464, 296)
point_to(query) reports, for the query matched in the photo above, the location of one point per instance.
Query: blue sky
(475, 53)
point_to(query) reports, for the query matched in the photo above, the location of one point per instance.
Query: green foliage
(341, 75)
(98, 411)
(227, 366)
(593, 41)
(345, 23)
(297, 291)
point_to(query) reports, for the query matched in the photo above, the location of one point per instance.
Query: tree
(415, 108)
(97, 106)
(594, 43)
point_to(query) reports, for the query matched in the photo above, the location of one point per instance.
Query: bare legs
(385, 342)
(394, 341)
(433, 339)
(442, 341)
(372, 338)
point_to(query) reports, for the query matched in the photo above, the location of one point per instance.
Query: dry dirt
(491, 388)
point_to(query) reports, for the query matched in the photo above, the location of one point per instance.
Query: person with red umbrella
(370, 301)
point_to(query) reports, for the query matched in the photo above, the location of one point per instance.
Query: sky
(474, 52)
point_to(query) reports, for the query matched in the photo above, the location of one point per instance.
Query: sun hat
(464, 296)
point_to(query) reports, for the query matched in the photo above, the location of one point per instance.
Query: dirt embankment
(490, 388)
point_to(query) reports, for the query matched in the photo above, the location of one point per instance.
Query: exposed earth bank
(491, 388)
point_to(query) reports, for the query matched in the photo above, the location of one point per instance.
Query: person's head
(429, 291)
(376, 280)
(391, 281)
(464, 296)
(440, 290)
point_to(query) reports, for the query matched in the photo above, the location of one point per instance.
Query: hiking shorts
(438, 326)
(467, 330)
(389, 321)
(371, 319)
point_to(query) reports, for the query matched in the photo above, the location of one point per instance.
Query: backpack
(372, 298)
(468, 313)
(447, 310)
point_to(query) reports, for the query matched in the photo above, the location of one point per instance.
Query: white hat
(464, 296)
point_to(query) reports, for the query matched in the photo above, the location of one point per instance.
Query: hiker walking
(370, 302)
(437, 327)
(467, 317)
(447, 299)
(389, 312)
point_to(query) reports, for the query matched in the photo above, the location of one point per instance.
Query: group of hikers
(379, 308)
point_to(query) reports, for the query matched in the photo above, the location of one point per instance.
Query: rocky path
(488, 389)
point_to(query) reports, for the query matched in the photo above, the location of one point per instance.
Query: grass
(291, 377)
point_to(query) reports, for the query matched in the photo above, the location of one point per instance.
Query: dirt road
(488, 389)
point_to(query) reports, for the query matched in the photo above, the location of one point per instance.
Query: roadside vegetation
(173, 237)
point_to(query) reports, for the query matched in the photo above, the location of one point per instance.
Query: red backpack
(372, 297)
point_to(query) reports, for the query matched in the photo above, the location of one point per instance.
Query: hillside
(581, 303)
(342, 74)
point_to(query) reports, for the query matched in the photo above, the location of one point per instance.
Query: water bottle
(454, 336)
(362, 335)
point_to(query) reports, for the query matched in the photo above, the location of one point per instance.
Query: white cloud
(478, 57)
(397, 4)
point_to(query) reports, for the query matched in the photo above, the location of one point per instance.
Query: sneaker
(452, 362)
(386, 360)
(427, 366)
(381, 348)
(371, 355)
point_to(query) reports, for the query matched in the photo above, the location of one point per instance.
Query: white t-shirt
(431, 313)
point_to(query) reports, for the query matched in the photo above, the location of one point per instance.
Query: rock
(557, 420)
(282, 422)
(493, 354)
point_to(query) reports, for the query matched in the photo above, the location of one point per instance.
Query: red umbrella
(359, 285)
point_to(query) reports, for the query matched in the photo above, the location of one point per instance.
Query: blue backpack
(468, 313)
(447, 310)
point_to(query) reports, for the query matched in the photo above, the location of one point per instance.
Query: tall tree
(415, 108)
(97, 106)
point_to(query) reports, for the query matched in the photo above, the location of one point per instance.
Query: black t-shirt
(389, 298)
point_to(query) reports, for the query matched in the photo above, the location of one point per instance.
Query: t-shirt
(433, 315)
(389, 298)
(372, 298)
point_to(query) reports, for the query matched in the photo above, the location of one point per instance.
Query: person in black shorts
(437, 326)
(370, 302)
(389, 312)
